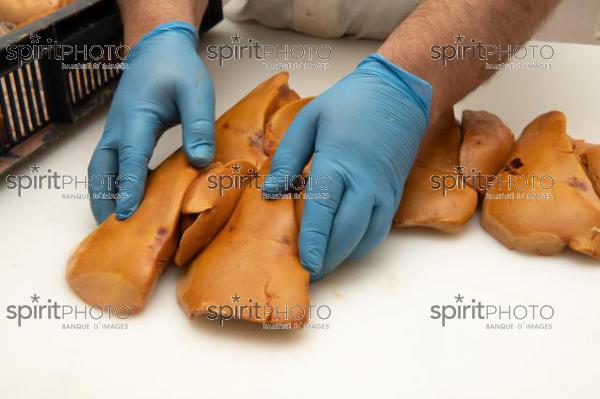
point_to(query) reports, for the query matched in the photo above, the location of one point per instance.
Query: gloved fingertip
(124, 215)
(200, 155)
(126, 208)
(198, 140)
(312, 261)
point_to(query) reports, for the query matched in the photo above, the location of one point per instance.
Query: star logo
(252, 171)
(35, 168)
(35, 38)
(459, 169)
(460, 38)
(35, 298)
(235, 298)
(235, 168)
(236, 39)
(459, 298)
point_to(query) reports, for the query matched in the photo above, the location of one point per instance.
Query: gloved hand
(165, 83)
(364, 133)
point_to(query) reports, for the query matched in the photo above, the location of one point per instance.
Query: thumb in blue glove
(165, 83)
(364, 133)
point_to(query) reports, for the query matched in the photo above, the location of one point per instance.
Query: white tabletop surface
(381, 341)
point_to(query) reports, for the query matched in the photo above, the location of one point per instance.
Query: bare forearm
(141, 16)
(436, 22)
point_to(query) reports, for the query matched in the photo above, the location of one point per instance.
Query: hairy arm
(436, 22)
(141, 16)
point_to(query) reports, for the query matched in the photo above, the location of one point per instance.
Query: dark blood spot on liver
(161, 232)
(159, 237)
(576, 183)
(516, 163)
(256, 139)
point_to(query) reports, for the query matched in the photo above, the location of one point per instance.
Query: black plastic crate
(36, 93)
(35, 89)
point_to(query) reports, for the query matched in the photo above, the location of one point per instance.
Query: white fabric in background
(368, 19)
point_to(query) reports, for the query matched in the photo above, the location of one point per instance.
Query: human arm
(141, 16)
(433, 22)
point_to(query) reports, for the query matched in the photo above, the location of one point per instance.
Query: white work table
(381, 341)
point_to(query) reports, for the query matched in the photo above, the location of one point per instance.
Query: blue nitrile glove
(364, 132)
(165, 83)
